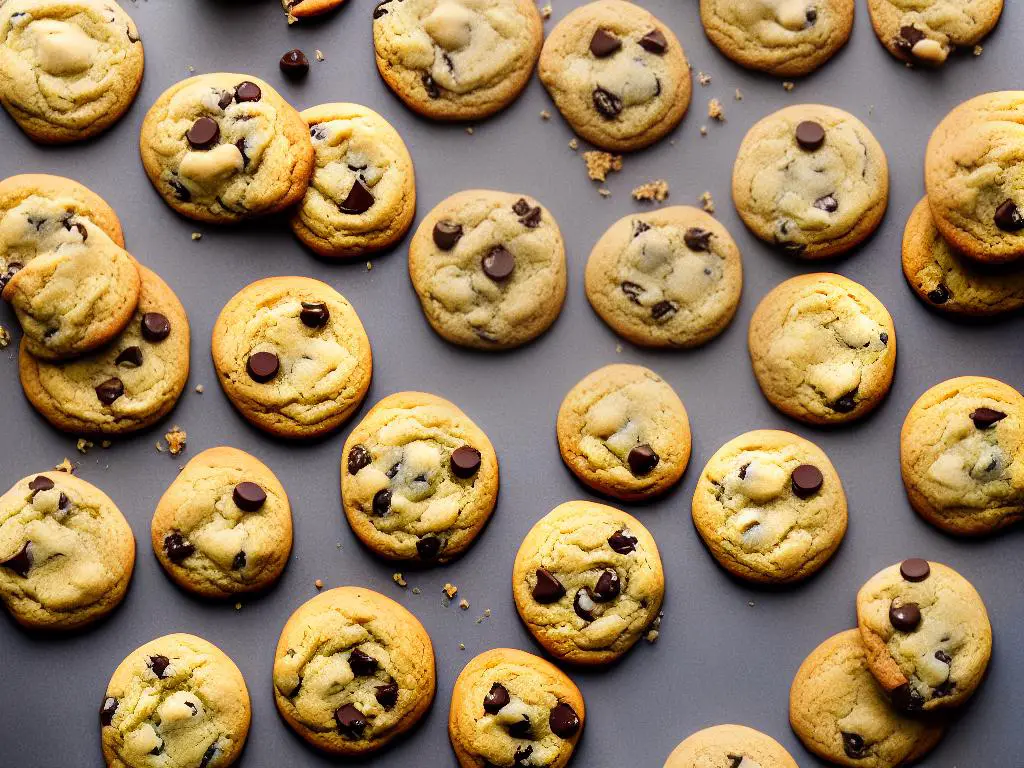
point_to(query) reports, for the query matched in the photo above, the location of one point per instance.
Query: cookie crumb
(66, 466)
(200, 389)
(604, 192)
(417, 591)
(545, 115)
(159, 447)
(788, 85)
(176, 440)
(545, 12)
(469, 129)
(292, 19)
(707, 202)
(738, 95)
(106, 444)
(704, 79)
(652, 636)
(464, 604)
(750, 604)
(369, 266)
(716, 111)
(83, 445)
(977, 50)
(319, 55)
(5, 337)
(462, 646)
(574, 144)
(618, 349)
(600, 164)
(197, 235)
(655, 191)
(399, 579)
(450, 589)
(238, 606)
(703, 130)
(319, 583)
(486, 615)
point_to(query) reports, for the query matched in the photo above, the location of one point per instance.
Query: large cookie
(927, 31)
(729, 746)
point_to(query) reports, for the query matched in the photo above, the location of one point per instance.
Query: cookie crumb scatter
(654, 631)
(574, 144)
(977, 50)
(200, 389)
(652, 191)
(399, 579)
(600, 164)
(319, 584)
(320, 55)
(83, 445)
(5, 337)
(450, 589)
(704, 79)
(197, 235)
(716, 111)
(66, 466)
(707, 202)
(604, 192)
(176, 440)
(464, 604)
(417, 591)
(788, 85)
(484, 617)
(738, 95)
(545, 115)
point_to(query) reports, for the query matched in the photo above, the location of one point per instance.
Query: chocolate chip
(155, 327)
(203, 134)
(548, 588)
(531, 218)
(178, 548)
(939, 294)
(697, 239)
(521, 729)
(984, 418)
(12, 269)
(583, 603)
(642, 459)
(639, 227)
(604, 43)
(522, 754)
(431, 87)
(240, 146)
(496, 699)
(499, 263)
(386, 695)
(853, 745)
(63, 504)
(110, 390)
(564, 721)
(883, 337)
(239, 562)
(908, 38)
(180, 190)
(249, 496)
(358, 458)
(520, 207)
(359, 199)
(382, 502)
(622, 542)
(351, 721)
(944, 657)
(812, 16)
(21, 563)
(828, 204)
(806, 480)
(608, 586)
(247, 91)
(40, 483)
(208, 755)
(262, 366)
(1008, 217)
(915, 569)
(447, 234)
(129, 356)
(810, 135)
(632, 290)
(314, 314)
(906, 698)
(362, 664)
(845, 404)
(663, 310)
(294, 63)
(465, 461)
(735, 760)
(107, 710)
(945, 688)
(654, 42)
(904, 616)
(607, 104)
(159, 665)
(428, 547)
(226, 97)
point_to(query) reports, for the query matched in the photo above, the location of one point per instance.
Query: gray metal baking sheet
(727, 651)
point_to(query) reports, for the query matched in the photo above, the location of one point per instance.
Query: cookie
(489, 269)
(223, 148)
(353, 670)
(304, 9)
(841, 715)
(624, 432)
(66, 552)
(729, 746)
(973, 179)
(362, 196)
(292, 356)
(927, 31)
(962, 455)
(811, 180)
(224, 526)
(419, 479)
(786, 38)
(670, 278)
(69, 69)
(79, 199)
(126, 386)
(823, 349)
(617, 74)
(453, 59)
(770, 507)
(926, 632)
(588, 582)
(510, 708)
(179, 698)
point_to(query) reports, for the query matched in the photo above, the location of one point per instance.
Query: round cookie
(588, 582)
(927, 31)
(128, 385)
(624, 432)
(510, 708)
(926, 632)
(770, 507)
(617, 74)
(973, 177)
(79, 200)
(224, 526)
(69, 69)
(292, 356)
(786, 38)
(304, 9)
(419, 480)
(179, 697)
(455, 59)
(811, 180)
(962, 455)
(729, 746)
(489, 269)
(66, 552)
(353, 670)
(670, 278)
(224, 147)
(823, 348)
(362, 196)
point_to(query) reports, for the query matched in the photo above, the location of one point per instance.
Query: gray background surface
(727, 651)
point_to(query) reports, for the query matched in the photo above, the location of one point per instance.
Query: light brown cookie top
(510, 708)
(79, 199)
(823, 348)
(729, 746)
(927, 31)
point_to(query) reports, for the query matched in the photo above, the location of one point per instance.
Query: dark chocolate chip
(262, 366)
(945, 688)
(654, 42)
(883, 337)
(499, 263)
(583, 603)
(632, 290)
(853, 745)
(548, 588)
(359, 199)
(382, 502)
(208, 755)
(810, 135)
(904, 616)
(522, 754)
(110, 390)
(178, 548)
(40, 483)
(496, 699)
(944, 657)
(314, 314)
(807, 480)
(428, 547)
(735, 760)
(351, 721)
(915, 569)
(239, 562)
(129, 356)
(743, 471)
(358, 458)
(380, 10)
(622, 542)
(608, 586)
(939, 294)
(63, 504)
(845, 404)
(532, 218)
(180, 190)
(1008, 217)
(465, 461)
(240, 146)
(663, 310)
(520, 207)
(906, 698)
(203, 134)
(447, 234)
(393, 470)
(642, 459)
(247, 91)
(828, 204)
(607, 104)
(107, 710)
(564, 721)
(386, 695)
(697, 239)
(521, 729)
(155, 327)
(362, 664)
(159, 665)
(604, 43)
(294, 63)
(249, 496)
(431, 87)
(984, 418)
(812, 16)
(226, 97)
(639, 227)
(908, 38)
(21, 563)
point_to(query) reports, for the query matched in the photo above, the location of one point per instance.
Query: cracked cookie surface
(510, 709)
(177, 702)
(811, 180)
(729, 746)
(353, 670)
(770, 507)
(927, 31)
(617, 74)
(419, 480)
(224, 526)
(588, 582)
(489, 269)
(670, 278)
(823, 348)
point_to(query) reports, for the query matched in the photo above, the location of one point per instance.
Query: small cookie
(617, 74)
(973, 178)
(179, 698)
(926, 632)
(128, 385)
(729, 746)
(787, 38)
(304, 9)
(510, 708)
(292, 356)
(770, 507)
(670, 278)
(456, 59)
(811, 180)
(623, 431)
(489, 269)
(419, 479)
(353, 670)
(223, 148)
(823, 348)
(927, 31)
(841, 715)
(66, 552)
(224, 526)
(588, 582)
(69, 69)
(362, 196)
(962, 455)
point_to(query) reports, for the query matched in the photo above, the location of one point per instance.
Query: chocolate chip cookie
(617, 74)
(811, 180)
(353, 670)
(510, 708)
(926, 32)
(80, 200)
(489, 269)
(729, 746)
